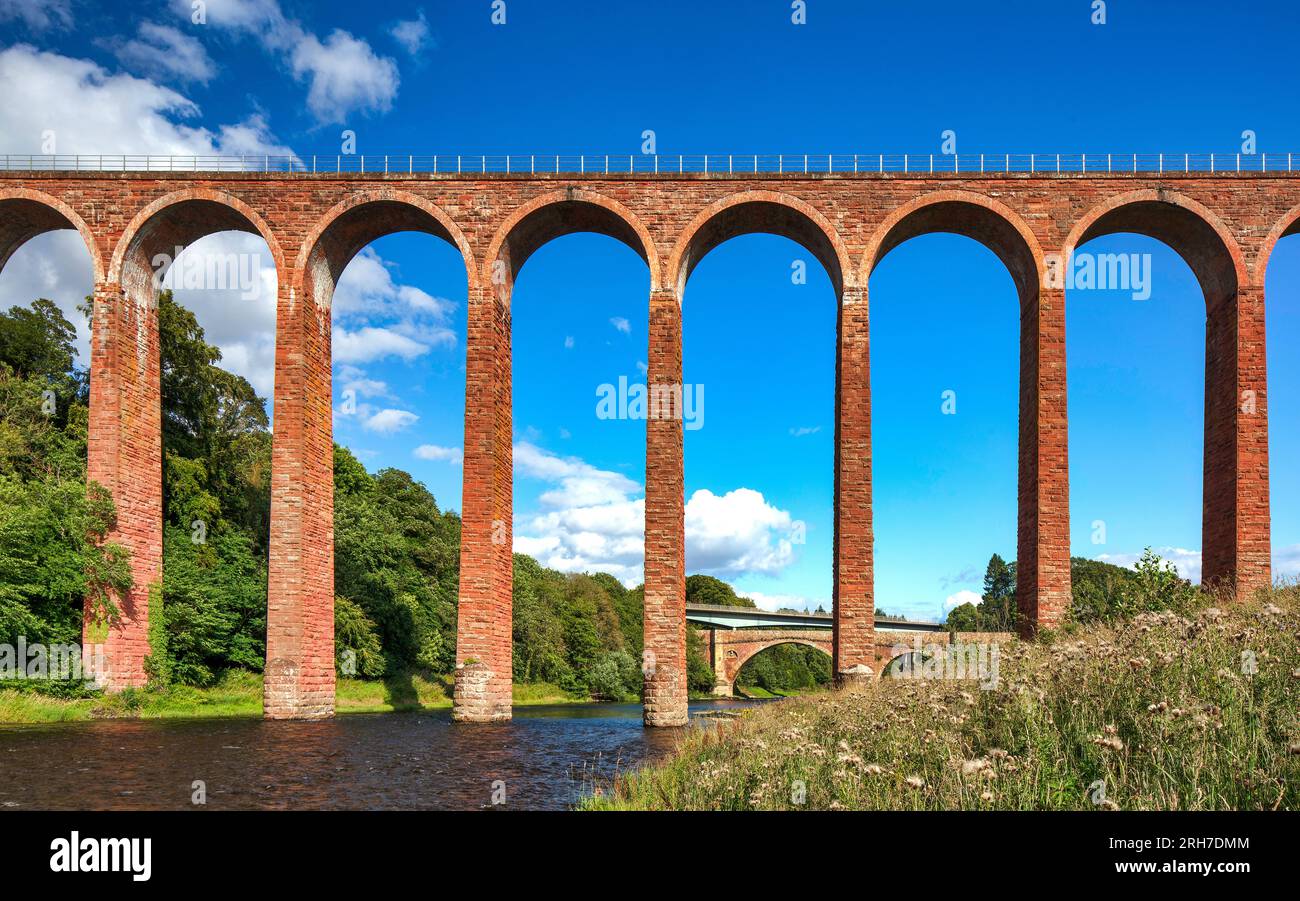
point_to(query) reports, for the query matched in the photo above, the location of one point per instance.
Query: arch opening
(948, 435)
(1281, 279)
(357, 223)
(784, 667)
(1136, 367)
(1181, 227)
(555, 218)
(758, 351)
(160, 233)
(46, 251)
(779, 217)
(1233, 551)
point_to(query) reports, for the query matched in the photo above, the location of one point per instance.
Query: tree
(37, 340)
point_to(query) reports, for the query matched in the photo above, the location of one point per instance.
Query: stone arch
(909, 659)
(751, 653)
(178, 220)
(1288, 225)
(971, 215)
(26, 213)
(360, 219)
(1235, 496)
(760, 212)
(565, 212)
(1189, 228)
(1042, 518)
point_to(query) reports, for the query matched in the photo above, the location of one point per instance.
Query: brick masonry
(1224, 225)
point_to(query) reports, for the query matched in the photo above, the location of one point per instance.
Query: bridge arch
(359, 220)
(26, 213)
(777, 642)
(1288, 225)
(559, 213)
(177, 220)
(1235, 497)
(1042, 520)
(1188, 227)
(731, 649)
(759, 212)
(971, 215)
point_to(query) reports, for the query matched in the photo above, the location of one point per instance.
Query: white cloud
(238, 318)
(453, 455)
(621, 324)
(375, 317)
(343, 73)
(369, 343)
(1286, 562)
(784, 601)
(56, 266)
(594, 520)
(93, 112)
(412, 34)
(1187, 562)
(737, 532)
(805, 430)
(568, 342)
(37, 15)
(164, 52)
(965, 596)
(386, 422)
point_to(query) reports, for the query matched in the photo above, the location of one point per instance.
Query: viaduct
(1224, 224)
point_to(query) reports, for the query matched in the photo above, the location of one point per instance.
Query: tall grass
(1192, 711)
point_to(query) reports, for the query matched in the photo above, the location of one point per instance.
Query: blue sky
(274, 75)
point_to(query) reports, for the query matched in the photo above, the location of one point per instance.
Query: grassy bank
(239, 693)
(1162, 712)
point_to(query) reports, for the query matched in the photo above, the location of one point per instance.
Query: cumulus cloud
(965, 596)
(737, 532)
(375, 317)
(88, 110)
(411, 34)
(56, 266)
(343, 73)
(453, 455)
(593, 519)
(164, 52)
(621, 324)
(239, 318)
(1187, 562)
(388, 421)
(785, 601)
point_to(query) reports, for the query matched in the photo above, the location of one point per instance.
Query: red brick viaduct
(1224, 225)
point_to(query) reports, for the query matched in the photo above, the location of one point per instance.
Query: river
(546, 758)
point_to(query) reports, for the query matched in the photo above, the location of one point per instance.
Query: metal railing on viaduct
(1224, 224)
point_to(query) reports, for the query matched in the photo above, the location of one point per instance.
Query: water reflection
(547, 758)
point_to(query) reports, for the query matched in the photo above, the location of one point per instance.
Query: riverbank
(239, 693)
(1164, 711)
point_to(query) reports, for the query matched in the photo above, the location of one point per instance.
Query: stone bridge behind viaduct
(1223, 224)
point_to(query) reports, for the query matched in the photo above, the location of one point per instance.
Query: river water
(545, 758)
